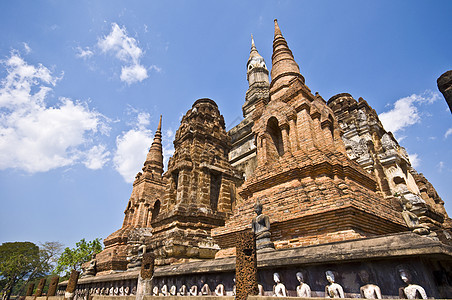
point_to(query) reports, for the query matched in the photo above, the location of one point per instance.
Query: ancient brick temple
(143, 206)
(200, 187)
(338, 189)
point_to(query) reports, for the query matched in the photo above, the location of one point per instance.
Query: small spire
(252, 42)
(154, 159)
(277, 30)
(284, 67)
(159, 128)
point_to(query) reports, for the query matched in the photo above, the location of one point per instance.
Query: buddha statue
(412, 220)
(183, 290)
(368, 290)
(411, 291)
(91, 269)
(332, 289)
(194, 290)
(173, 290)
(261, 228)
(279, 289)
(303, 290)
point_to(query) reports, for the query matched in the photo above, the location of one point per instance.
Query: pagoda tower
(311, 191)
(148, 190)
(243, 151)
(200, 188)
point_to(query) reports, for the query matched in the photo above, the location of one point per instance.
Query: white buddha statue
(332, 289)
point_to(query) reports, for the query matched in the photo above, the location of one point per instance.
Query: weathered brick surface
(30, 289)
(246, 265)
(200, 187)
(303, 172)
(40, 288)
(144, 204)
(378, 152)
(72, 283)
(53, 285)
(147, 266)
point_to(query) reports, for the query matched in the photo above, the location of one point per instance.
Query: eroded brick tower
(148, 190)
(312, 192)
(200, 188)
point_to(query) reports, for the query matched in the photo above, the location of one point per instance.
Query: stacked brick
(144, 204)
(378, 152)
(200, 187)
(246, 265)
(312, 192)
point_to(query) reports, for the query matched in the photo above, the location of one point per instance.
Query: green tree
(72, 259)
(22, 262)
(17, 261)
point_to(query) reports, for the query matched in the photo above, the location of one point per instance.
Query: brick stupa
(143, 205)
(312, 192)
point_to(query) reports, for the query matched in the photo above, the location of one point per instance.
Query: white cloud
(134, 73)
(157, 69)
(414, 160)
(441, 166)
(448, 132)
(96, 157)
(33, 136)
(84, 53)
(27, 48)
(132, 146)
(126, 49)
(405, 112)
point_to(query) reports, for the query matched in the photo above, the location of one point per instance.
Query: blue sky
(83, 84)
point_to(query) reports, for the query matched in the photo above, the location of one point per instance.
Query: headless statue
(233, 287)
(303, 290)
(368, 290)
(279, 289)
(155, 291)
(411, 291)
(219, 290)
(164, 290)
(260, 290)
(194, 290)
(332, 289)
(183, 290)
(173, 290)
(261, 228)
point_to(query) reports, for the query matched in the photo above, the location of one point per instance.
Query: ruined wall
(378, 152)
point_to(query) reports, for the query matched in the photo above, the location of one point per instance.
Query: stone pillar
(144, 285)
(30, 289)
(71, 285)
(53, 286)
(40, 288)
(246, 265)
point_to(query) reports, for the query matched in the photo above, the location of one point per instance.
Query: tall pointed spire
(154, 159)
(277, 30)
(284, 67)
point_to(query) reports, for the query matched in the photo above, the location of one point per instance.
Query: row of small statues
(335, 290)
(112, 291)
(332, 289)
